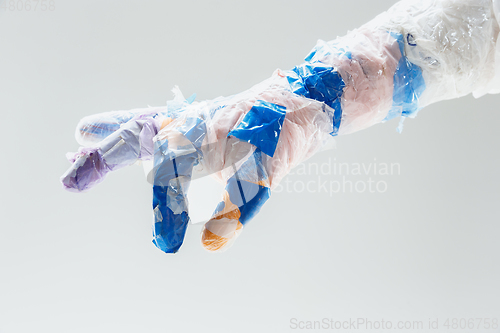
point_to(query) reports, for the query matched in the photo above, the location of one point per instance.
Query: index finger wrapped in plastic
(415, 54)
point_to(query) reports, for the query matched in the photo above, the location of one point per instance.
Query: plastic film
(415, 54)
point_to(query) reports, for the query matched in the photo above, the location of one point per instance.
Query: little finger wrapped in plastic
(415, 54)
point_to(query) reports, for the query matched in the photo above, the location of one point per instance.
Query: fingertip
(215, 243)
(212, 242)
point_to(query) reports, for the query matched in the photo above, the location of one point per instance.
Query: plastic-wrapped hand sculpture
(415, 54)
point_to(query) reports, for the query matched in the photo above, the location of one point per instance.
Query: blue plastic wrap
(261, 126)
(408, 83)
(319, 82)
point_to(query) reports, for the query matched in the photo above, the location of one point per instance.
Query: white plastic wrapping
(415, 54)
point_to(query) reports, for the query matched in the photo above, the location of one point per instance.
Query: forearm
(411, 56)
(452, 41)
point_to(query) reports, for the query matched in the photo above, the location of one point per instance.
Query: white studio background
(426, 248)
